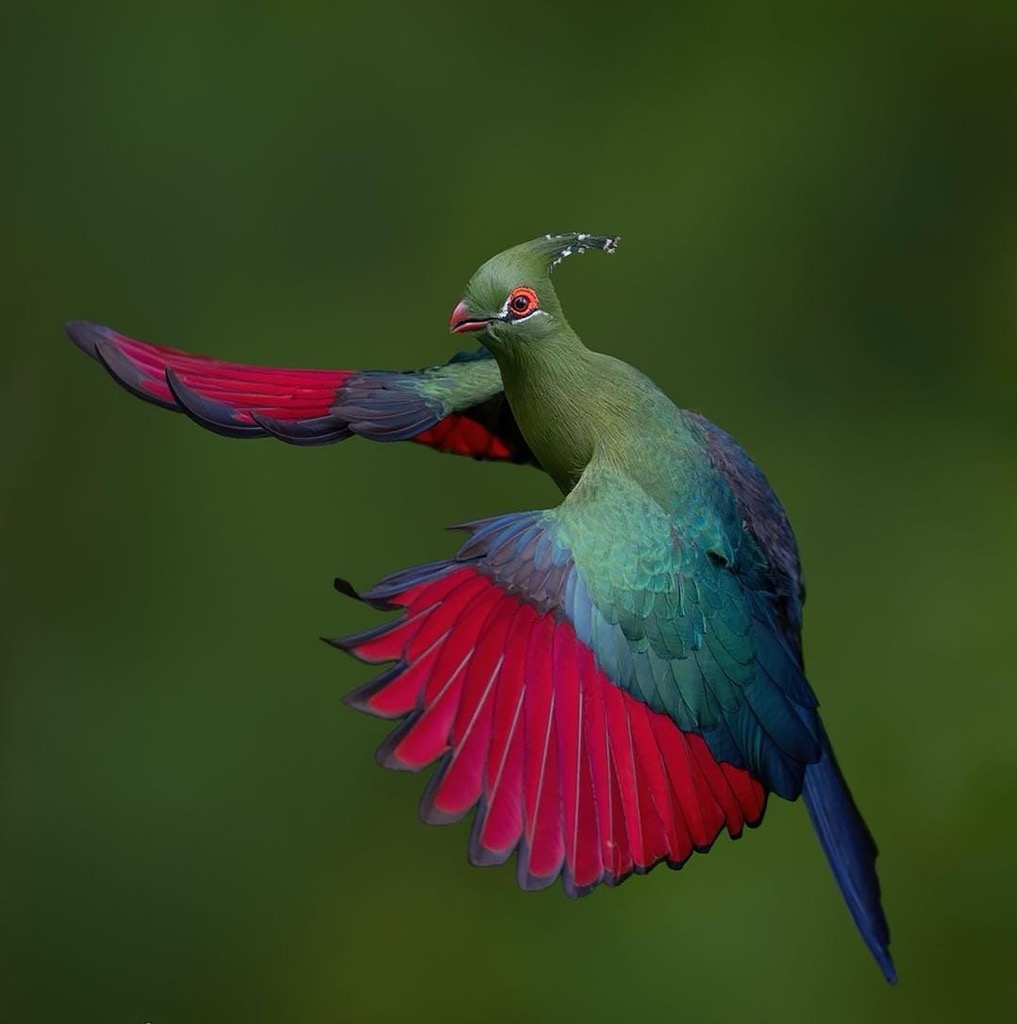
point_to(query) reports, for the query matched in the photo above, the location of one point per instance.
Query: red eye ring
(521, 302)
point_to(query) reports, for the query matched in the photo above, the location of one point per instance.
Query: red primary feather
(499, 822)
(281, 394)
(543, 843)
(564, 766)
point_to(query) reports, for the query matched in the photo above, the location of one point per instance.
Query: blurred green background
(819, 225)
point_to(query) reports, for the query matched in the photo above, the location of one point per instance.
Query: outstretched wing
(458, 407)
(608, 694)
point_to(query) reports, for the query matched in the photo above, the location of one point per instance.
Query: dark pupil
(520, 303)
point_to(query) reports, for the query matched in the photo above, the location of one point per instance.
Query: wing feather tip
(576, 891)
(348, 645)
(484, 857)
(757, 820)
(526, 879)
(359, 698)
(387, 759)
(431, 815)
(348, 590)
(345, 587)
(480, 855)
(427, 809)
(386, 754)
(217, 417)
(529, 882)
(319, 430)
(84, 334)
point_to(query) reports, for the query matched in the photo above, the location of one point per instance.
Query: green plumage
(655, 533)
(687, 585)
(612, 680)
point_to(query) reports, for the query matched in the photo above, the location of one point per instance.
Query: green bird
(610, 683)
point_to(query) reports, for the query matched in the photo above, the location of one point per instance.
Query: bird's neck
(564, 400)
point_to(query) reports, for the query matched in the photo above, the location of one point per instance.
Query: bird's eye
(522, 302)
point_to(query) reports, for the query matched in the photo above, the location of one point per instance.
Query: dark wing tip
(485, 858)
(573, 890)
(360, 698)
(429, 812)
(526, 880)
(212, 415)
(86, 335)
(386, 754)
(104, 348)
(482, 856)
(347, 588)
(304, 433)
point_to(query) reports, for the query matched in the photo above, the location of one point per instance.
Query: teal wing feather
(763, 516)
(678, 608)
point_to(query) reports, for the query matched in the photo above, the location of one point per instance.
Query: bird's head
(511, 300)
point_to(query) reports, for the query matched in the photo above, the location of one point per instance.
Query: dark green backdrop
(819, 250)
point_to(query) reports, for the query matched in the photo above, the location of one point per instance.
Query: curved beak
(462, 320)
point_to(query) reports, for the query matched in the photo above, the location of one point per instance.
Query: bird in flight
(610, 683)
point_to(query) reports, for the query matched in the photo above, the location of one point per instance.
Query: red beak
(463, 320)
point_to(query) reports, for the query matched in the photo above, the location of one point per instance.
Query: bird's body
(610, 682)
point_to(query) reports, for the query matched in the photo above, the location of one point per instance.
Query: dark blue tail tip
(886, 965)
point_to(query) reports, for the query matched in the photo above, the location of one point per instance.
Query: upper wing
(459, 407)
(610, 694)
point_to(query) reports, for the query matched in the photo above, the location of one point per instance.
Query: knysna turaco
(611, 682)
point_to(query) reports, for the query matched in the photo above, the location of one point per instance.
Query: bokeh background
(817, 205)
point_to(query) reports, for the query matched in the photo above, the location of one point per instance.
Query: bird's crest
(557, 247)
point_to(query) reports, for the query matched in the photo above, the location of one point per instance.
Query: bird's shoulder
(760, 512)
(667, 505)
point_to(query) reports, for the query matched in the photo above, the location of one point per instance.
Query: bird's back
(589, 410)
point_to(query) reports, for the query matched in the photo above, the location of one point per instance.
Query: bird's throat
(552, 388)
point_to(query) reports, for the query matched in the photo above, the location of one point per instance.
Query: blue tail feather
(851, 851)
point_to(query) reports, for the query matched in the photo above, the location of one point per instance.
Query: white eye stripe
(511, 316)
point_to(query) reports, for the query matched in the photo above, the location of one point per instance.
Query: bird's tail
(851, 851)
